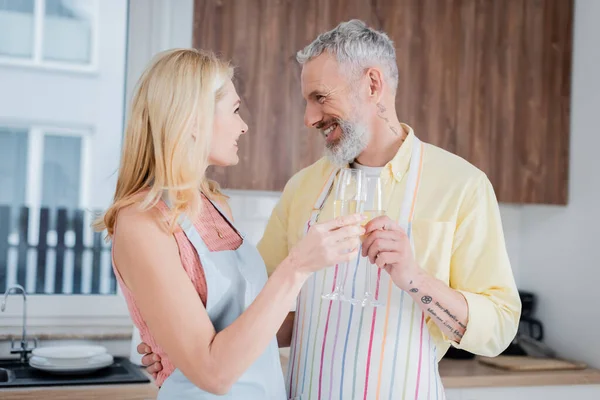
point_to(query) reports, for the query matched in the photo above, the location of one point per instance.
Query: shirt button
(398, 175)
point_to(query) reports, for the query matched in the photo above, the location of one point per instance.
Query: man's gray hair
(358, 47)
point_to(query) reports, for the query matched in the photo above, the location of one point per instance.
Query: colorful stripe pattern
(364, 353)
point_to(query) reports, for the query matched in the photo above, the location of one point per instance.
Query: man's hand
(387, 246)
(150, 360)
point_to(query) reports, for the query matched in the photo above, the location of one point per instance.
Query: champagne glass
(348, 196)
(372, 203)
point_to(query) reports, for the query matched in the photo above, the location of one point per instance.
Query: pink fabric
(191, 263)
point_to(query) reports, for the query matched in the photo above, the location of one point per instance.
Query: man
(447, 278)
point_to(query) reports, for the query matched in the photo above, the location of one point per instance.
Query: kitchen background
(68, 68)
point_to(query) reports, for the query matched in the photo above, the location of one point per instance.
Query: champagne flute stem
(341, 276)
(368, 279)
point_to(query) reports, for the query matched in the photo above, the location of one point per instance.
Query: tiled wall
(251, 211)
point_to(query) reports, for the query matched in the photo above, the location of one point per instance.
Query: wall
(559, 245)
(155, 25)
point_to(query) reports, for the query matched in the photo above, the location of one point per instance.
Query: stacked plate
(70, 359)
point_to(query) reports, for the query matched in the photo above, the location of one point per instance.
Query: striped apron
(343, 351)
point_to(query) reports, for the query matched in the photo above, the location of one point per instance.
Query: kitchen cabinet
(487, 80)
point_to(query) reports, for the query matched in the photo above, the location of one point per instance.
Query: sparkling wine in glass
(348, 197)
(372, 203)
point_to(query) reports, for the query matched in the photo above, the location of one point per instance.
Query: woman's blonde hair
(174, 98)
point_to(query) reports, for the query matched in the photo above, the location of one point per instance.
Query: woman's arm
(148, 261)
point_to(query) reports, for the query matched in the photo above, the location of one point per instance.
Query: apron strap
(188, 228)
(325, 191)
(224, 215)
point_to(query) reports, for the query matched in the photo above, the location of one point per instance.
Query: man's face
(333, 105)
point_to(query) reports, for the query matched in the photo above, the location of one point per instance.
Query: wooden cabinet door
(488, 80)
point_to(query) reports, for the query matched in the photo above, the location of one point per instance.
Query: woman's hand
(328, 244)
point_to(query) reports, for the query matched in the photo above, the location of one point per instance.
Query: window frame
(37, 61)
(69, 311)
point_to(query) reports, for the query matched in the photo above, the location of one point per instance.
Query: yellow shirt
(456, 229)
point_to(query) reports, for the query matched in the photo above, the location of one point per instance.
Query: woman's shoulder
(137, 216)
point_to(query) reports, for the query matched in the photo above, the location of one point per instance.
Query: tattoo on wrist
(448, 313)
(432, 312)
(445, 323)
(414, 290)
(426, 299)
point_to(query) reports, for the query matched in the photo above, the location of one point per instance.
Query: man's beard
(353, 140)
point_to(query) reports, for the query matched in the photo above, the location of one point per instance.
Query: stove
(15, 374)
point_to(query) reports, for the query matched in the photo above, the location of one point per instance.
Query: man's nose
(312, 115)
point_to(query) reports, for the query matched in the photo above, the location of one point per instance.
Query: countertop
(456, 374)
(472, 374)
(145, 391)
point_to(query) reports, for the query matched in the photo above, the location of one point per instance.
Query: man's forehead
(320, 73)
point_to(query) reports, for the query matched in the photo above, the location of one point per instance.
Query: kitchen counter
(472, 374)
(456, 374)
(464, 374)
(130, 391)
(121, 392)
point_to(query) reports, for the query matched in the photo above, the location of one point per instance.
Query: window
(43, 204)
(46, 242)
(16, 28)
(60, 142)
(49, 33)
(13, 165)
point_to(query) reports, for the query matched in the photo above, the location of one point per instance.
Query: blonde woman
(197, 291)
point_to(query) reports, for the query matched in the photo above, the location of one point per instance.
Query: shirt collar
(398, 166)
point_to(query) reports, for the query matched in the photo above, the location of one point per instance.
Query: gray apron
(233, 279)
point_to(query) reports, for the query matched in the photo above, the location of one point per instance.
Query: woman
(197, 291)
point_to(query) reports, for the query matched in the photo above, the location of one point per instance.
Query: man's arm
(447, 307)
(481, 272)
(388, 246)
(480, 310)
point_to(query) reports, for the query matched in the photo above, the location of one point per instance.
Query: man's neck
(384, 144)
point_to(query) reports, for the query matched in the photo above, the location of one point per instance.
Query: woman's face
(228, 127)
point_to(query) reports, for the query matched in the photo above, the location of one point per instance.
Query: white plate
(68, 352)
(90, 365)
